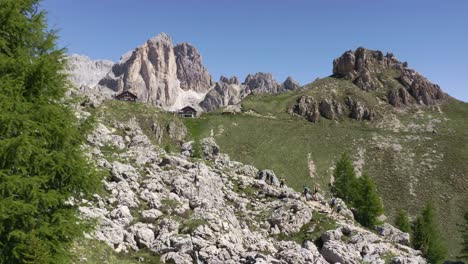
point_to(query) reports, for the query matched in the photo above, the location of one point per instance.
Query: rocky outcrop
(312, 109)
(160, 74)
(421, 89)
(307, 107)
(219, 211)
(362, 66)
(190, 70)
(359, 110)
(227, 91)
(353, 64)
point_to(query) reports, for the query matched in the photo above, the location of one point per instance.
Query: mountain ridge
(172, 76)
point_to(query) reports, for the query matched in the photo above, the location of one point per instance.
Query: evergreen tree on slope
(344, 185)
(41, 163)
(426, 236)
(367, 202)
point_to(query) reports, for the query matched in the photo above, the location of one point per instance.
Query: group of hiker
(308, 195)
(314, 195)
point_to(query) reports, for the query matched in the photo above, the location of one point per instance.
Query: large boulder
(337, 252)
(393, 234)
(143, 234)
(121, 171)
(290, 216)
(209, 147)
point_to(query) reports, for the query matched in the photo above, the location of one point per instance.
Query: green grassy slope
(414, 156)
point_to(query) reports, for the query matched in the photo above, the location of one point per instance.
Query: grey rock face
(160, 74)
(421, 89)
(289, 85)
(335, 252)
(353, 63)
(83, 71)
(393, 234)
(210, 148)
(362, 65)
(308, 107)
(190, 70)
(226, 92)
(358, 110)
(260, 83)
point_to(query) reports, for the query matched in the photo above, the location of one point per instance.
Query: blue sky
(298, 38)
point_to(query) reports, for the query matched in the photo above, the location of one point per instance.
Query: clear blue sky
(299, 38)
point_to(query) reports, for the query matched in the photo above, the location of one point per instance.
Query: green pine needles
(426, 236)
(360, 193)
(41, 162)
(402, 221)
(464, 251)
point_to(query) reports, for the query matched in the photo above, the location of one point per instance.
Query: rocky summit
(363, 66)
(161, 74)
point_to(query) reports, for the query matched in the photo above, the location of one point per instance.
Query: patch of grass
(249, 191)
(168, 205)
(387, 257)
(145, 115)
(97, 252)
(188, 226)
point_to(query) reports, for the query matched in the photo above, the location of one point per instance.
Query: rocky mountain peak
(161, 74)
(261, 82)
(190, 70)
(161, 38)
(362, 66)
(232, 80)
(352, 63)
(290, 84)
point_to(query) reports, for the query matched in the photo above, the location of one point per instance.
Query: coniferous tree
(345, 183)
(367, 202)
(402, 221)
(464, 250)
(41, 162)
(426, 236)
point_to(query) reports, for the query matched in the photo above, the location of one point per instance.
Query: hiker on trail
(282, 182)
(272, 180)
(196, 180)
(306, 192)
(316, 190)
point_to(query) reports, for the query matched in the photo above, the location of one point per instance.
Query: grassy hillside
(415, 156)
